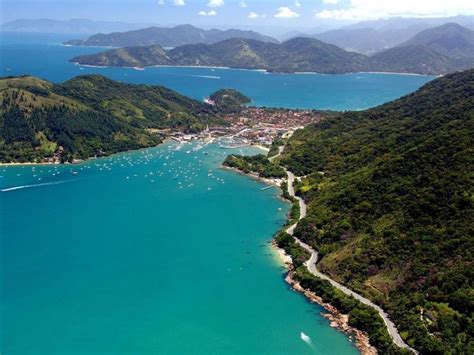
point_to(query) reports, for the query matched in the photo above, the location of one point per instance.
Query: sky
(243, 13)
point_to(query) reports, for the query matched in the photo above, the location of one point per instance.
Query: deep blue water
(44, 56)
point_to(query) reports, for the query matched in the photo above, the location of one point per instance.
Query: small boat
(74, 173)
(266, 188)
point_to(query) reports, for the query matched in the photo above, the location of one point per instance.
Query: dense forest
(436, 51)
(258, 164)
(166, 37)
(89, 116)
(229, 100)
(390, 208)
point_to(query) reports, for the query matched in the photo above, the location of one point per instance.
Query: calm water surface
(158, 251)
(150, 252)
(44, 56)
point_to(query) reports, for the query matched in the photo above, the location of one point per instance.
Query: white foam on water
(305, 338)
(30, 186)
(206, 76)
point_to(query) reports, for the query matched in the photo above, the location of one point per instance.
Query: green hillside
(89, 115)
(167, 37)
(413, 59)
(296, 55)
(450, 39)
(391, 208)
(299, 54)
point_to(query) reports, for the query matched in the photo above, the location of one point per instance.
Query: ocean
(44, 56)
(159, 251)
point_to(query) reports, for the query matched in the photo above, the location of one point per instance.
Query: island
(433, 52)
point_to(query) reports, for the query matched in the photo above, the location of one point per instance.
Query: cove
(149, 252)
(44, 56)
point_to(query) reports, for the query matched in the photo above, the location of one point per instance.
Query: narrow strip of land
(311, 266)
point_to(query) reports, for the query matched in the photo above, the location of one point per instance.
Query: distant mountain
(167, 37)
(296, 55)
(68, 26)
(363, 40)
(368, 40)
(406, 22)
(450, 39)
(413, 59)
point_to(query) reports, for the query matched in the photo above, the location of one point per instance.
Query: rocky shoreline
(338, 320)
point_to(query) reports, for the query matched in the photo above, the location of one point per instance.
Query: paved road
(280, 152)
(311, 265)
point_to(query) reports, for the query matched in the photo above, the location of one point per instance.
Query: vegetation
(258, 164)
(299, 54)
(390, 207)
(88, 116)
(361, 316)
(229, 100)
(296, 55)
(167, 37)
(288, 244)
(450, 39)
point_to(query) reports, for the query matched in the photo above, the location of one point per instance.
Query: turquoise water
(42, 55)
(158, 251)
(149, 252)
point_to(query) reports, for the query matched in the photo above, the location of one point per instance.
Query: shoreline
(264, 71)
(337, 320)
(253, 176)
(165, 140)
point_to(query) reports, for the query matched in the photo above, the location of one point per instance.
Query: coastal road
(280, 152)
(311, 266)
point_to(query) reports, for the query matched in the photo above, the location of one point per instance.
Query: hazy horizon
(284, 14)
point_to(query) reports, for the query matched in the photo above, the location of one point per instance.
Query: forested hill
(89, 115)
(167, 37)
(391, 208)
(295, 55)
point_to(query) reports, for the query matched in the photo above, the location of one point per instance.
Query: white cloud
(209, 13)
(285, 12)
(179, 2)
(243, 4)
(253, 15)
(215, 3)
(370, 9)
(161, 2)
(330, 2)
(297, 3)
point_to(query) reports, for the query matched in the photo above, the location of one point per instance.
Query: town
(255, 126)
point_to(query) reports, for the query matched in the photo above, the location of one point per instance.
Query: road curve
(311, 266)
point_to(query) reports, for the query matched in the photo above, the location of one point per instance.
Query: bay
(158, 251)
(149, 252)
(44, 56)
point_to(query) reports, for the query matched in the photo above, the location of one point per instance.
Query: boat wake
(305, 338)
(8, 189)
(207, 76)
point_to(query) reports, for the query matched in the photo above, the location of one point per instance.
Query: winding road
(311, 266)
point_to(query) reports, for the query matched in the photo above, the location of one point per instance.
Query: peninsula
(90, 116)
(383, 198)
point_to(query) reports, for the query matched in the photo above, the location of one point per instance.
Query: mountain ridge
(389, 195)
(89, 115)
(167, 37)
(450, 39)
(301, 54)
